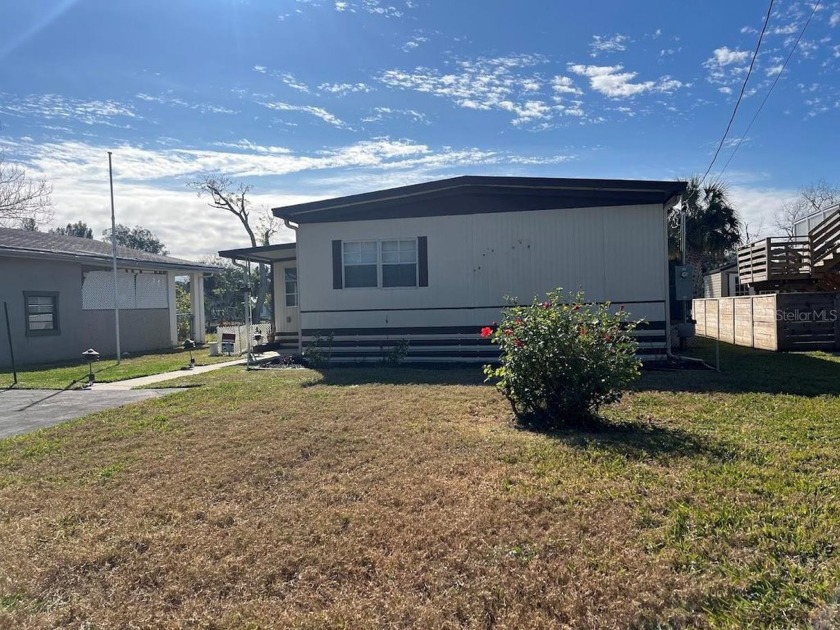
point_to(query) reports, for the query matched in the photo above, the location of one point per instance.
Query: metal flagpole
(114, 256)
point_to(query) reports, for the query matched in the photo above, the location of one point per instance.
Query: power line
(741, 95)
(775, 81)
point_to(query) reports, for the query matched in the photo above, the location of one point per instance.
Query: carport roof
(42, 245)
(265, 254)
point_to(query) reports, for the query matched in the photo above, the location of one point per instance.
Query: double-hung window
(41, 313)
(399, 263)
(391, 263)
(361, 264)
(290, 281)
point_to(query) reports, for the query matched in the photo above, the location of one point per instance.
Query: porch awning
(267, 254)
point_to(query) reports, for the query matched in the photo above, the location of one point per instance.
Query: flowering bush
(561, 359)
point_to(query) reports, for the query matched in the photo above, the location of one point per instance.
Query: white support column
(197, 306)
(173, 308)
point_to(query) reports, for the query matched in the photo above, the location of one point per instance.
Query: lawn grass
(72, 375)
(368, 498)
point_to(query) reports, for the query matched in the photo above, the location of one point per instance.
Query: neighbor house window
(361, 260)
(41, 313)
(380, 263)
(399, 263)
(290, 279)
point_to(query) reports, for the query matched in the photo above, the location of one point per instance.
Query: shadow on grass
(747, 370)
(376, 374)
(636, 440)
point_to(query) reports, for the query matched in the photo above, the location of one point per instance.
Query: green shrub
(561, 359)
(319, 351)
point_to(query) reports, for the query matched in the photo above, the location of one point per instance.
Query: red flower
(486, 331)
(518, 343)
(508, 331)
(546, 305)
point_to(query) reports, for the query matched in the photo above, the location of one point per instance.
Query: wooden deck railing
(778, 258)
(825, 243)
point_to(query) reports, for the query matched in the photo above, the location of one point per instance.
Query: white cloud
(414, 42)
(527, 112)
(480, 84)
(341, 89)
(202, 108)
(603, 44)
(381, 113)
(726, 66)
(150, 183)
(723, 56)
(293, 83)
(565, 85)
(834, 20)
(787, 29)
(56, 107)
(773, 70)
(318, 112)
(612, 82)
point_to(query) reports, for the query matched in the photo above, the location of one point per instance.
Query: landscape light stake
(90, 355)
(189, 344)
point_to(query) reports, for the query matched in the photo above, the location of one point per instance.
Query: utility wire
(770, 91)
(741, 95)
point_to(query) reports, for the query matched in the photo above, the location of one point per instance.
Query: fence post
(836, 315)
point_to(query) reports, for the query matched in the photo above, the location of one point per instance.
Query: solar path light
(90, 355)
(189, 344)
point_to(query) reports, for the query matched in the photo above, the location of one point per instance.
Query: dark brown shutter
(423, 260)
(337, 266)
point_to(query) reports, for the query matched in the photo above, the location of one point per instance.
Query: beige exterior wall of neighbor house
(78, 329)
(615, 254)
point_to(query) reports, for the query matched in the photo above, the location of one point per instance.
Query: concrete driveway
(25, 410)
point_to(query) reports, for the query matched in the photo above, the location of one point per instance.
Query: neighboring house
(723, 282)
(432, 263)
(59, 291)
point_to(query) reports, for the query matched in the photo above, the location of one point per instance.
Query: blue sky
(306, 99)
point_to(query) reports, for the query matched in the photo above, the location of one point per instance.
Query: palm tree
(713, 229)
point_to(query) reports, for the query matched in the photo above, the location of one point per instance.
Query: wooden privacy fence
(780, 321)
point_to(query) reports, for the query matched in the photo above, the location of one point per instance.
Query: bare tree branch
(812, 198)
(267, 225)
(23, 201)
(225, 197)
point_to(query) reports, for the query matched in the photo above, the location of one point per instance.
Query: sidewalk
(145, 381)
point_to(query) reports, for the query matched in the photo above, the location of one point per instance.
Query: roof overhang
(106, 261)
(478, 195)
(266, 254)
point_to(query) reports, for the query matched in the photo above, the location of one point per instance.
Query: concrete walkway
(25, 410)
(145, 381)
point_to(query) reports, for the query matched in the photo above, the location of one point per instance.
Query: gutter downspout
(294, 228)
